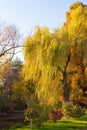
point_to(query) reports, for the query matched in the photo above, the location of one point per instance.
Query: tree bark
(65, 84)
(66, 89)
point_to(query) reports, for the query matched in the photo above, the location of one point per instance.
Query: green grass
(59, 125)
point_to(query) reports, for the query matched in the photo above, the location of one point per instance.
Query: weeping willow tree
(52, 59)
(44, 63)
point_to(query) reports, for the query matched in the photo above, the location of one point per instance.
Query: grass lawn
(59, 125)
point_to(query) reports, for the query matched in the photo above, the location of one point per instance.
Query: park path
(9, 119)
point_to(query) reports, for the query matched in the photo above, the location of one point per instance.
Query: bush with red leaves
(55, 115)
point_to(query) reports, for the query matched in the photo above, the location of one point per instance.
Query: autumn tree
(77, 30)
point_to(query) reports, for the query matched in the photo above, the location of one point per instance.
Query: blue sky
(26, 14)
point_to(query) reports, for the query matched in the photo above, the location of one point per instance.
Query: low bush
(74, 111)
(55, 115)
(36, 115)
(84, 117)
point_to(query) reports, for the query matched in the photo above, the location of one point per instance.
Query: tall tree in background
(12, 74)
(9, 75)
(77, 30)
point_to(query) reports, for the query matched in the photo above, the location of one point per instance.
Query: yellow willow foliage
(49, 86)
(42, 55)
(63, 47)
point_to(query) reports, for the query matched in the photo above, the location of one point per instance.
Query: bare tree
(9, 42)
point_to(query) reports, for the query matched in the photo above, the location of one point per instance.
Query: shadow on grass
(59, 125)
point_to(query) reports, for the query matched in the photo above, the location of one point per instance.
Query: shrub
(74, 111)
(35, 115)
(84, 117)
(55, 115)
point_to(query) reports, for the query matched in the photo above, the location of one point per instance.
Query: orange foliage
(74, 80)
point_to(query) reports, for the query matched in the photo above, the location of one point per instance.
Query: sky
(26, 14)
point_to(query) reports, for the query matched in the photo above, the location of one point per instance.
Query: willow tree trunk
(66, 88)
(65, 79)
